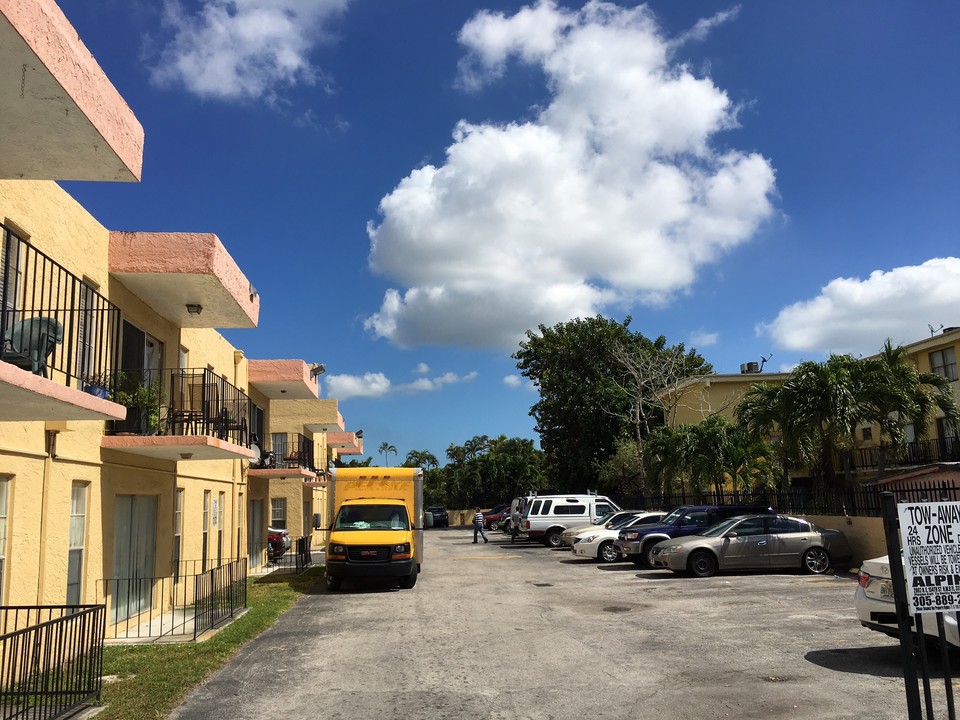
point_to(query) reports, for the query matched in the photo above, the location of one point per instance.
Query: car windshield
(372, 517)
(720, 529)
(621, 522)
(674, 515)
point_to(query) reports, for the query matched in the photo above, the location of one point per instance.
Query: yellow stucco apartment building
(138, 447)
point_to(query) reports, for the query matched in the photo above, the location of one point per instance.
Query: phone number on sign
(934, 600)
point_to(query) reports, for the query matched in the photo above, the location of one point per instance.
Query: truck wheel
(552, 538)
(409, 581)
(647, 553)
(636, 559)
(333, 583)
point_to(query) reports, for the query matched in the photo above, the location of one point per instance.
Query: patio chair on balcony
(232, 418)
(30, 342)
(186, 404)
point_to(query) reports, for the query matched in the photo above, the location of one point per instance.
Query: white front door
(134, 554)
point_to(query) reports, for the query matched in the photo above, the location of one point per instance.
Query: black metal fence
(297, 558)
(945, 449)
(51, 659)
(860, 500)
(184, 604)
(286, 450)
(51, 322)
(182, 401)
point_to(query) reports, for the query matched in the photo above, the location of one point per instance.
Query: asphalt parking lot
(517, 632)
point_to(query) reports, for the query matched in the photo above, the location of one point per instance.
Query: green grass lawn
(151, 679)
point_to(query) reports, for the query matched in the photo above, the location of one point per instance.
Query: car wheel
(494, 525)
(607, 552)
(702, 564)
(552, 538)
(816, 561)
(333, 583)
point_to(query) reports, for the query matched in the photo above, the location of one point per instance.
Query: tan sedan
(755, 542)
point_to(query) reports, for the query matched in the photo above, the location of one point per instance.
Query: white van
(545, 517)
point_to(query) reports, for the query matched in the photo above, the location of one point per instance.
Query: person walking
(478, 527)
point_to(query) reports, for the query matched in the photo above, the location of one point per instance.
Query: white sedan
(875, 607)
(596, 543)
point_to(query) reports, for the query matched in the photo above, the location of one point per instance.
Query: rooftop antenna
(934, 331)
(763, 360)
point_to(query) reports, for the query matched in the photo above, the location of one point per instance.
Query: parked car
(278, 542)
(635, 543)
(755, 542)
(874, 604)
(496, 515)
(608, 520)
(440, 516)
(597, 543)
(545, 517)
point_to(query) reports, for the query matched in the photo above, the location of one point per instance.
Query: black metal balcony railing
(52, 323)
(182, 402)
(52, 659)
(297, 558)
(286, 450)
(945, 449)
(183, 604)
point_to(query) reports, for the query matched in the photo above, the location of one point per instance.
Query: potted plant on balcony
(144, 396)
(98, 384)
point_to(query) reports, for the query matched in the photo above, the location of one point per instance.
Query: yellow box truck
(376, 524)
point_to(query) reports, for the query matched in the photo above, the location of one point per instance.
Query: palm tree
(819, 408)
(385, 449)
(421, 458)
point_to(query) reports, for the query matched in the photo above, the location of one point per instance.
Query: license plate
(886, 589)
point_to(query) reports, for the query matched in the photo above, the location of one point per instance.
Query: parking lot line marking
(486, 557)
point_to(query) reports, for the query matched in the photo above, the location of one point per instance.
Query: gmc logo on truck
(368, 553)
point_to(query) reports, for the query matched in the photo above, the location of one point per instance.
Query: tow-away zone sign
(930, 534)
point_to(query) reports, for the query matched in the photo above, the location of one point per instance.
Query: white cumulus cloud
(243, 49)
(702, 338)
(367, 385)
(615, 193)
(854, 315)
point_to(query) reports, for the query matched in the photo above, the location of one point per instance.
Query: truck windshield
(372, 517)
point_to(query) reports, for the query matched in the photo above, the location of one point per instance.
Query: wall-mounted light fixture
(194, 308)
(186, 456)
(359, 434)
(317, 369)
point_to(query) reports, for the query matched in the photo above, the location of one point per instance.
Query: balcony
(928, 452)
(188, 278)
(283, 379)
(62, 119)
(180, 414)
(57, 332)
(346, 443)
(285, 455)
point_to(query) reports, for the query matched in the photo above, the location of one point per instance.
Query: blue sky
(412, 184)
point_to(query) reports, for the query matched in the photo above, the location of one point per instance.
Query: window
(545, 510)
(570, 510)
(177, 533)
(782, 526)
(78, 531)
(278, 513)
(944, 363)
(867, 433)
(219, 521)
(753, 526)
(697, 517)
(4, 495)
(206, 527)
(604, 509)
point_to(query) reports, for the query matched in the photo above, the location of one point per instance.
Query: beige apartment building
(133, 435)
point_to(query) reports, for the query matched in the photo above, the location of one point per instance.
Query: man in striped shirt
(478, 527)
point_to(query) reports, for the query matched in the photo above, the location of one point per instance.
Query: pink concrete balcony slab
(25, 396)
(177, 447)
(60, 116)
(346, 443)
(282, 379)
(278, 473)
(189, 278)
(327, 418)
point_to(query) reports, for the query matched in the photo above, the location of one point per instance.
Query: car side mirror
(731, 534)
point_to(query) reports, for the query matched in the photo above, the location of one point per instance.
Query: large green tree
(598, 383)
